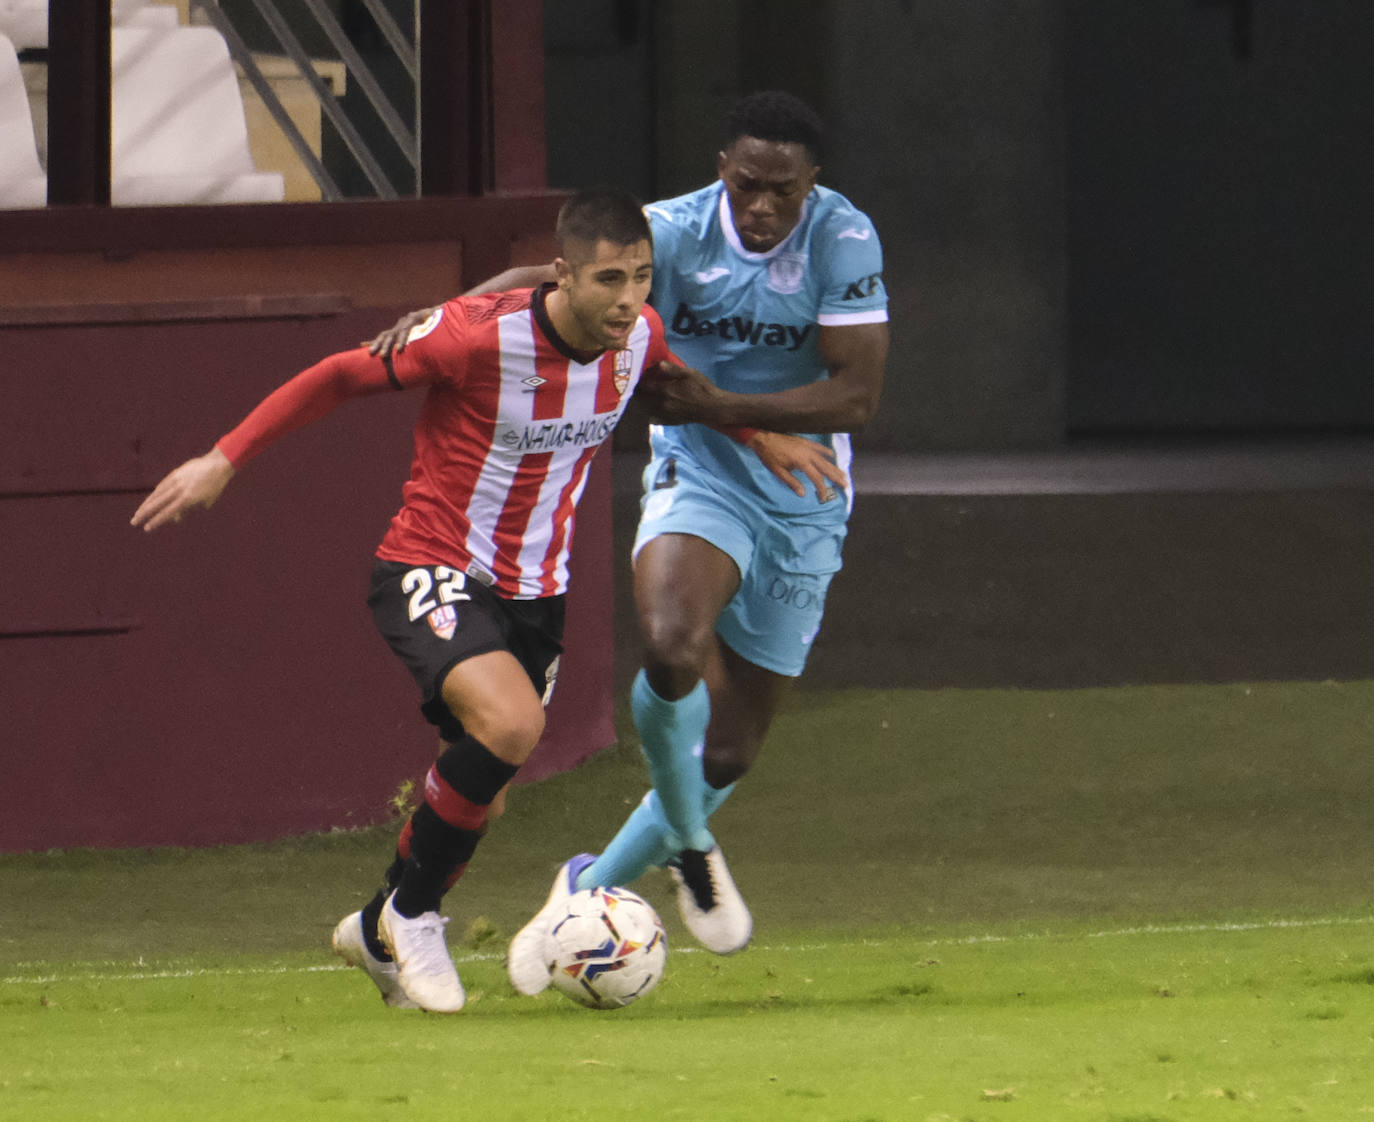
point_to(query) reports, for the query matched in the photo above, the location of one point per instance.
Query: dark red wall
(220, 680)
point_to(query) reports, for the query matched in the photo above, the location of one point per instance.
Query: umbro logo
(713, 274)
(855, 233)
(533, 381)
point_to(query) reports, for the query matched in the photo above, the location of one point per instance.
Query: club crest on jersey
(785, 273)
(624, 366)
(443, 621)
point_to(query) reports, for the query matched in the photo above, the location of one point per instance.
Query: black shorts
(433, 617)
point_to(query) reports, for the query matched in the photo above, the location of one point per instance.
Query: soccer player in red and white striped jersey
(522, 388)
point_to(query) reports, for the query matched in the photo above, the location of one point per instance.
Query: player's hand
(677, 394)
(393, 339)
(789, 457)
(197, 482)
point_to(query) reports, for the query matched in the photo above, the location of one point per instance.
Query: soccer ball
(611, 948)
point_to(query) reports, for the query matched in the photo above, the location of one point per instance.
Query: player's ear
(563, 272)
(721, 160)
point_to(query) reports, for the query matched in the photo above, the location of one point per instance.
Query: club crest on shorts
(443, 621)
(624, 363)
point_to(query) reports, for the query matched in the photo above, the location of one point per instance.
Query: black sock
(445, 830)
(373, 909)
(437, 852)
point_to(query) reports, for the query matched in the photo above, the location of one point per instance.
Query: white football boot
(350, 946)
(529, 961)
(710, 904)
(424, 970)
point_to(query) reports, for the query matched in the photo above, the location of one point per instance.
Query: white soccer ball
(611, 948)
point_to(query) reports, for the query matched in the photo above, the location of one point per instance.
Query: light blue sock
(673, 734)
(642, 842)
(714, 797)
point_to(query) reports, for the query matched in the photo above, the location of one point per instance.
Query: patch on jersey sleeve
(420, 330)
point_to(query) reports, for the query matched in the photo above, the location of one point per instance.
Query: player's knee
(509, 732)
(676, 647)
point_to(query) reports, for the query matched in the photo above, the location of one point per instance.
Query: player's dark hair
(777, 116)
(602, 212)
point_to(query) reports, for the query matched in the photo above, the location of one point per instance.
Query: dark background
(1099, 216)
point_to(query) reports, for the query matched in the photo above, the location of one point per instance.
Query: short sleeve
(667, 233)
(853, 280)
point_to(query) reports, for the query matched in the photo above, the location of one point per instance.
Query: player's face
(605, 286)
(767, 182)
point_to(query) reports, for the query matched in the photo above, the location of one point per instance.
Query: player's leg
(481, 672)
(691, 546)
(491, 697)
(743, 700)
(356, 938)
(682, 582)
(765, 635)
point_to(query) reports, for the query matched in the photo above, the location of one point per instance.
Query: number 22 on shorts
(446, 583)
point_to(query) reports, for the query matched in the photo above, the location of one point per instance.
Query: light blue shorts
(785, 562)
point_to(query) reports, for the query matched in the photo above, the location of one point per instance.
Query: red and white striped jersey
(504, 440)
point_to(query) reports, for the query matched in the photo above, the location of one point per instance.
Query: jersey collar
(541, 317)
(727, 225)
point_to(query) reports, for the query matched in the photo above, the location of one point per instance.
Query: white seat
(25, 22)
(177, 131)
(147, 15)
(22, 182)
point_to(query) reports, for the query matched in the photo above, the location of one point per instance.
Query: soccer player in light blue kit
(771, 286)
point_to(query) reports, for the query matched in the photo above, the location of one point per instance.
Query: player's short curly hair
(602, 212)
(778, 116)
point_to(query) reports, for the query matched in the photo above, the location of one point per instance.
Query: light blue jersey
(751, 321)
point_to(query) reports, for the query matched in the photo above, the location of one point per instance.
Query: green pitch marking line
(120, 971)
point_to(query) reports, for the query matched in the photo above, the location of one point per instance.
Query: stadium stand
(177, 126)
(22, 182)
(178, 130)
(25, 22)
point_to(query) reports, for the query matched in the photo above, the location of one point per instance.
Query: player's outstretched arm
(196, 483)
(305, 398)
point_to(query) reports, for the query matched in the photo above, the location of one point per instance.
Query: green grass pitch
(1111, 905)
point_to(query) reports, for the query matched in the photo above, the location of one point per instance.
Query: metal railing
(406, 136)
